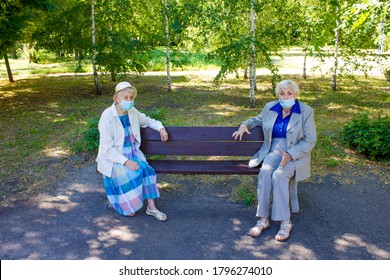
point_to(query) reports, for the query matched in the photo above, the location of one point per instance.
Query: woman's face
(286, 93)
(125, 95)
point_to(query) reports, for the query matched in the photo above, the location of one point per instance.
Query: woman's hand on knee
(286, 157)
(132, 165)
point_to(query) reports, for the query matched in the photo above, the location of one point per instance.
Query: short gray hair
(287, 84)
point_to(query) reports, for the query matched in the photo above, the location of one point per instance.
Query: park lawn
(43, 118)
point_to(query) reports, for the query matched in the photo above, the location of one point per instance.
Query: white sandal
(157, 214)
(283, 233)
(256, 230)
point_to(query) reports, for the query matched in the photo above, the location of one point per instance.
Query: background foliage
(370, 137)
(126, 31)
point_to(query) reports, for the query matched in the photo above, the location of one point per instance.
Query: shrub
(370, 137)
(246, 194)
(91, 135)
(386, 71)
(157, 114)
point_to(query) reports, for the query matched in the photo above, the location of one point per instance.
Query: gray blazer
(301, 137)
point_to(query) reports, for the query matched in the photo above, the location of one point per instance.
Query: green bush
(370, 137)
(246, 194)
(386, 72)
(91, 135)
(157, 114)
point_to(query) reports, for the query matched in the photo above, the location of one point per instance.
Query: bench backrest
(201, 141)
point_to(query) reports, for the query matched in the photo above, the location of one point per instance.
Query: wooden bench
(210, 142)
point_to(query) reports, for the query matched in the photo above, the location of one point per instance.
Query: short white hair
(287, 84)
(124, 86)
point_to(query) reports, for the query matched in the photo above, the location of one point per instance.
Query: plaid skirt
(127, 189)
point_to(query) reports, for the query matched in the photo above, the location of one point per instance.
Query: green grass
(43, 119)
(180, 60)
(47, 63)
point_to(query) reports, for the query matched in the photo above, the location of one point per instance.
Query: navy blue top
(125, 121)
(280, 125)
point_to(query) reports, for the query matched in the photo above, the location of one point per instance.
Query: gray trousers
(274, 178)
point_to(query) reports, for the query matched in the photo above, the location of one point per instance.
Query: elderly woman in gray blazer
(289, 136)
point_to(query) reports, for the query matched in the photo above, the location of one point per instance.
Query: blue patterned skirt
(127, 189)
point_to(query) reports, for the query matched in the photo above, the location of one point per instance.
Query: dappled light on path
(350, 242)
(110, 237)
(265, 247)
(61, 203)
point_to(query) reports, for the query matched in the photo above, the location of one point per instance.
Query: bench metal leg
(294, 196)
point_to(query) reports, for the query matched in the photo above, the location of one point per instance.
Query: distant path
(290, 64)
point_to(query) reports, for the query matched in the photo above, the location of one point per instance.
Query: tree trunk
(246, 70)
(304, 62)
(113, 76)
(381, 47)
(9, 72)
(336, 52)
(32, 54)
(168, 58)
(95, 75)
(76, 54)
(252, 64)
(14, 54)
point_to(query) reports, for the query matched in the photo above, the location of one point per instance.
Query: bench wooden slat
(203, 167)
(189, 133)
(200, 148)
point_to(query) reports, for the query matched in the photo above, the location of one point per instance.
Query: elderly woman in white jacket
(128, 179)
(289, 136)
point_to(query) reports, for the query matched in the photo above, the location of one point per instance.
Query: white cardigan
(112, 136)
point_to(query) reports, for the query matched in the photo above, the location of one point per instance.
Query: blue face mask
(127, 105)
(288, 103)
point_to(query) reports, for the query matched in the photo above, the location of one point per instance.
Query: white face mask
(287, 103)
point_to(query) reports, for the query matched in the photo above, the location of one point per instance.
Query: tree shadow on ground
(337, 221)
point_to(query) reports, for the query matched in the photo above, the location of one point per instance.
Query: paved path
(337, 221)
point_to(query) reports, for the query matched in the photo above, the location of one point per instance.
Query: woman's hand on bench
(164, 135)
(240, 132)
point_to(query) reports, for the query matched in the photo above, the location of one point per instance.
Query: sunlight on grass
(224, 110)
(56, 152)
(333, 106)
(7, 94)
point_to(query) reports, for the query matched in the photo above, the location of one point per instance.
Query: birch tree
(245, 31)
(167, 46)
(355, 33)
(336, 52)
(127, 31)
(252, 72)
(95, 74)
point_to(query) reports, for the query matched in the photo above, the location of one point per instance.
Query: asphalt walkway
(348, 221)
